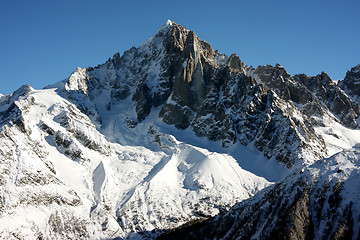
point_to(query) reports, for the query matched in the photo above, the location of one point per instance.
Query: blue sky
(42, 42)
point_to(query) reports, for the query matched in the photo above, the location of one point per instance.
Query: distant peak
(169, 23)
(23, 90)
(356, 68)
(277, 65)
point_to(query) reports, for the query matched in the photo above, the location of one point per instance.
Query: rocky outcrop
(317, 95)
(333, 97)
(351, 83)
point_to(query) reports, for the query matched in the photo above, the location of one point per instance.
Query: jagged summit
(77, 81)
(24, 89)
(351, 83)
(356, 68)
(168, 24)
(218, 97)
(20, 92)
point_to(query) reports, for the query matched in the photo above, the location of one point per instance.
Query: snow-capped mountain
(168, 133)
(183, 81)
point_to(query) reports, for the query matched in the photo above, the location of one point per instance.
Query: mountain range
(173, 139)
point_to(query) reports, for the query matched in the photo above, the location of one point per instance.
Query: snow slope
(68, 180)
(318, 201)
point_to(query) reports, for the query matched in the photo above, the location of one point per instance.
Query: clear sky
(42, 42)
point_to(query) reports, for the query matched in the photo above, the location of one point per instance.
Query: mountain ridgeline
(220, 98)
(175, 138)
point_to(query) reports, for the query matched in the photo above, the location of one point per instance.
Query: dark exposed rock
(332, 97)
(47, 129)
(120, 93)
(314, 92)
(176, 115)
(62, 140)
(235, 63)
(116, 60)
(211, 121)
(143, 101)
(351, 82)
(84, 139)
(66, 145)
(279, 80)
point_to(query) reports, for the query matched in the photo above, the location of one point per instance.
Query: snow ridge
(298, 206)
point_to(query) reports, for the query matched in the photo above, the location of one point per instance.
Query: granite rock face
(333, 97)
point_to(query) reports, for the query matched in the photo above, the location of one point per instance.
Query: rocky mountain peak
(180, 39)
(168, 24)
(355, 69)
(22, 91)
(217, 96)
(351, 82)
(235, 64)
(77, 81)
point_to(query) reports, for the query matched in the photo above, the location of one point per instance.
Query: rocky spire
(351, 82)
